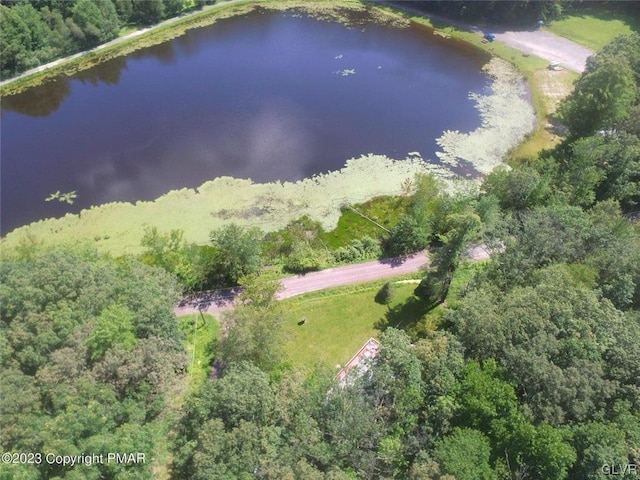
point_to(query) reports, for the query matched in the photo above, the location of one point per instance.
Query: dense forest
(34, 32)
(536, 372)
(533, 374)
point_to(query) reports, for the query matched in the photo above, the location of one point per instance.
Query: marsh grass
(387, 211)
(118, 227)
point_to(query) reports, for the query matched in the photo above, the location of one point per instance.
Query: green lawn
(594, 28)
(339, 322)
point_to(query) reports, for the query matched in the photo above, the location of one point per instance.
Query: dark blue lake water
(266, 96)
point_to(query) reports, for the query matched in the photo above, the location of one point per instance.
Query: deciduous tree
(238, 251)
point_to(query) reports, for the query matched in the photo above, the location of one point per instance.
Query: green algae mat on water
(118, 227)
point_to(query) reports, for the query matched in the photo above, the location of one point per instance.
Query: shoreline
(107, 233)
(156, 34)
(73, 63)
(117, 227)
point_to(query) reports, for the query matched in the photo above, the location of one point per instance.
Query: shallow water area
(270, 96)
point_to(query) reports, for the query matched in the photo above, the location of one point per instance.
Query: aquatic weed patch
(507, 117)
(118, 227)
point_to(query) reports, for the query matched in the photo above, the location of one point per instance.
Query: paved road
(217, 302)
(364, 272)
(349, 274)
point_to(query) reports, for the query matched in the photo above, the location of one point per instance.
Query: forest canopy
(533, 372)
(90, 351)
(33, 32)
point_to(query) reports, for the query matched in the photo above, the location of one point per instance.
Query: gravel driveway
(546, 45)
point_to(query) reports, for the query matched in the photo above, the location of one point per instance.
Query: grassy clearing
(201, 331)
(339, 322)
(593, 26)
(552, 87)
(387, 211)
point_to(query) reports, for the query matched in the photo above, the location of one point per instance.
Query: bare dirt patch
(555, 85)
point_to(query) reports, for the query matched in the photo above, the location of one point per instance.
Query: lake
(267, 96)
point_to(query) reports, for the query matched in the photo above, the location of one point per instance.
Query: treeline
(496, 12)
(534, 373)
(516, 12)
(34, 32)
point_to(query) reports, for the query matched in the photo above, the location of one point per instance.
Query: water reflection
(164, 52)
(39, 101)
(251, 97)
(108, 73)
(45, 99)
